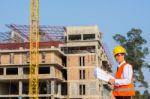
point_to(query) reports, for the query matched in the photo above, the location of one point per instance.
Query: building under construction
(67, 59)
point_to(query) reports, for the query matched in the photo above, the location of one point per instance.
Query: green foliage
(145, 95)
(136, 52)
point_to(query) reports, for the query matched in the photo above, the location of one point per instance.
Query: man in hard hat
(123, 84)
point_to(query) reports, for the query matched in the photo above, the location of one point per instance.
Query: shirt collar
(121, 63)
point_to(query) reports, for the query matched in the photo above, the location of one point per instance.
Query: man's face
(119, 57)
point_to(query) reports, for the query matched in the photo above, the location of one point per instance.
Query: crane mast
(34, 49)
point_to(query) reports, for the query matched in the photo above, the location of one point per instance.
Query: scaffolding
(47, 33)
(49, 36)
(5, 37)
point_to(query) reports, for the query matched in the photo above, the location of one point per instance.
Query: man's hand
(111, 86)
(111, 81)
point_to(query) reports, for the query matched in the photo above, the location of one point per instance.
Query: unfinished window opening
(82, 60)
(42, 87)
(1, 71)
(82, 74)
(72, 50)
(74, 37)
(25, 89)
(9, 88)
(65, 38)
(82, 89)
(91, 49)
(14, 88)
(26, 70)
(64, 61)
(44, 70)
(12, 71)
(28, 57)
(64, 89)
(64, 72)
(43, 57)
(105, 65)
(88, 36)
(56, 88)
(48, 86)
(65, 50)
(82, 49)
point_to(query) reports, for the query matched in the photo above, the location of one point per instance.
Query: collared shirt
(126, 75)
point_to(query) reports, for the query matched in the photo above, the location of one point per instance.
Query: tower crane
(34, 49)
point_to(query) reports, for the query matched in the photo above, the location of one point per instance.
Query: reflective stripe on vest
(123, 90)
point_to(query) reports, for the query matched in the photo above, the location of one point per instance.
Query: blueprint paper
(102, 75)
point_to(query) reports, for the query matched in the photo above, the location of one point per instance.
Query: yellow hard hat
(119, 50)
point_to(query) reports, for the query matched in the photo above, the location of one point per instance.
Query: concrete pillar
(4, 71)
(52, 70)
(52, 89)
(20, 97)
(21, 56)
(20, 88)
(59, 89)
(20, 71)
(48, 87)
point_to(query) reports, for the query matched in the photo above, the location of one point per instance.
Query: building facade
(66, 67)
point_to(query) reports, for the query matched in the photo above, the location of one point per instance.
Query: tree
(145, 95)
(134, 44)
(138, 95)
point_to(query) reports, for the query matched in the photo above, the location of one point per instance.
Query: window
(28, 57)
(88, 36)
(105, 64)
(43, 87)
(44, 70)
(43, 57)
(82, 89)
(82, 74)
(74, 37)
(65, 50)
(25, 88)
(65, 38)
(1, 71)
(12, 71)
(80, 49)
(82, 61)
(26, 70)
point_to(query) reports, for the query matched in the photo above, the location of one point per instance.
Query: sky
(111, 16)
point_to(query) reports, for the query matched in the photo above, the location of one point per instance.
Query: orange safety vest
(123, 90)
